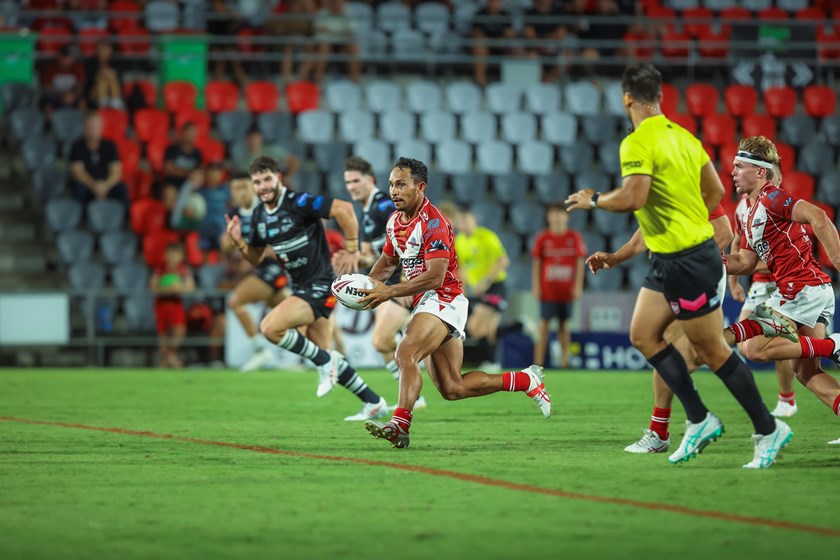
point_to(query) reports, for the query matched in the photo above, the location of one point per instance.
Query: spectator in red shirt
(169, 283)
(557, 278)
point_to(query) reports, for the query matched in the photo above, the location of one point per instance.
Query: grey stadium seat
(502, 98)
(409, 46)
(797, 130)
(308, 179)
(437, 126)
(478, 126)
(361, 14)
(423, 96)
(598, 129)
(329, 154)
(397, 124)
(541, 99)
(462, 97)
(432, 18)
(637, 273)
(518, 127)
(67, 125)
(231, 126)
(86, 276)
(618, 240)
(792, 5)
(343, 95)
(63, 214)
(830, 129)
(392, 17)
(683, 4)
(552, 187)
(494, 157)
(757, 5)
(130, 277)
(106, 215)
(605, 281)
(117, 246)
(16, 96)
(355, 126)
(583, 98)
(377, 152)
(454, 156)
(828, 190)
(816, 158)
(140, 313)
(614, 97)
(316, 127)
(209, 276)
(488, 214)
(559, 129)
(275, 127)
(608, 154)
(509, 186)
(593, 240)
(415, 149)
(469, 186)
(382, 96)
(161, 16)
(74, 245)
(512, 242)
(577, 158)
(519, 273)
(718, 5)
(609, 223)
(38, 152)
(527, 217)
(49, 182)
(535, 157)
(24, 123)
(373, 44)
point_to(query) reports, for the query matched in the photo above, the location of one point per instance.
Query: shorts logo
(330, 302)
(675, 307)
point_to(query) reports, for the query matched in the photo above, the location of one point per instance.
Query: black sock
(740, 381)
(671, 367)
(350, 380)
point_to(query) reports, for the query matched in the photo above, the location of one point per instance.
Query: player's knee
(271, 332)
(452, 392)
(754, 352)
(383, 342)
(642, 342)
(406, 355)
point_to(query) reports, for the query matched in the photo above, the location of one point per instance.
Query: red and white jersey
(428, 235)
(769, 230)
(741, 215)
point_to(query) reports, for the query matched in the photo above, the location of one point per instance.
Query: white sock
(257, 342)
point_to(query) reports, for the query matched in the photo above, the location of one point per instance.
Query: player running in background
(268, 282)
(672, 187)
(420, 238)
(556, 279)
(762, 286)
(773, 231)
(290, 223)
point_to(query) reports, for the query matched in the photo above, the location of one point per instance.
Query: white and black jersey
(375, 214)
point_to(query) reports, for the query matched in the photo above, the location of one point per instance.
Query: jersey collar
(283, 191)
(411, 221)
(369, 201)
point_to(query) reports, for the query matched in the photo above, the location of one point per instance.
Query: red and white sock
(836, 407)
(515, 381)
(822, 347)
(402, 419)
(787, 398)
(745, 330)
(659, 421)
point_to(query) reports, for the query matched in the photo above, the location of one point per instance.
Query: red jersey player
(420, 238)
(773, 231)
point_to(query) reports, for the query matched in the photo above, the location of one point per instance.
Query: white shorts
(809, 305)
(453, 314)
(758, 294)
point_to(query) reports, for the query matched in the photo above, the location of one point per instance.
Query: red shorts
(169, 314)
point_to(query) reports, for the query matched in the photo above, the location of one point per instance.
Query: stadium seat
(830, 129)
(509, 186)
(16, 96)
(74, 246)
(469, 186)
(523, 217)
(194, 116)
(787, 155)
(519, 126)
(155, 153)
(261, 96)
(408, 46)
(316, 126)
(758, 125)
(542, 98)
(619, 239)
(798, 130)
(478, 126)
(718, 130)
(393, 17)
(232, 126)
(637, 273)
(342, 95)
(48, 182)
(669, 105)
(327, 154)
(828, 43)
(577, 158)
(697, 21)
(640, 44)
(799, 184)
(605, 223)
(780, 101)
(396, 124)
(552, 187)
(114, 123)
(117, 246)
(67, 125)
(140, 313)
(488, 214)
(494, 157)
(701, 100)
(608, 154)
(462, 97)
(150, 124)
(89, 38)
(686, 121)
(373, 44)
(432, 18)
(535, 157)
(740, 100)
(86, 276)
(382, 95)
(178, 96)
(105, 215)
(212, 150)
(25, 122)
(454, 156)
(815, 158)
(140, 185)
(10, 13)
(38, 151)
(598, 129)
(146, 215)
(154, 246)
(134, 42)
(124, 22)
(828, 191)
(52, 39)
(355, 126)
(221, 95)
(423, 96)
(361, 14)
(713, 44)
(808, 13)
(502, 98)
(194, 255)
(757, 5)
(415, 149)
(437, 126)
(604, 281)
(130, 277)
(675, 44)
(377, 152)
(597, 181)
(161, 16)
(302, 96)
(819, 101)
(583, 98)
(147, 89)
(512, 242)
(559, 129)
(726, 156)
(275, 127)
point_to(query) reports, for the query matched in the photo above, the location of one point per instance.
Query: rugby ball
(346, 288)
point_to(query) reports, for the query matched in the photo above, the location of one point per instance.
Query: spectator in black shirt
(491, 23)
(95, 166)
(179, 160)
(542, 30)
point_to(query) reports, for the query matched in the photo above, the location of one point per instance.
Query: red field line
(716, 515)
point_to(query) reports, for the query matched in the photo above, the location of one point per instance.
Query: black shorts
(272, 274)
(562, 310)
(318, 295)
(690, 280)
(493, 297)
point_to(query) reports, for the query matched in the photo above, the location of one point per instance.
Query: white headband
(747, 157)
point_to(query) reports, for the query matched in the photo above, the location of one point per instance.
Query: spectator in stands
(179, 160)
(95, 18)
(594, 28)
(95, 166)
(295, 25)
(556, 279)
(222, 23)
(103, 85)
(255, 147)
(169, 283)
(334, 32)
(491, 23)
(216, 193)
(63, 81)
(542, 28)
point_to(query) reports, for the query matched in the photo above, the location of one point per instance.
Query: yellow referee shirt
(674, 218)
(477, 254)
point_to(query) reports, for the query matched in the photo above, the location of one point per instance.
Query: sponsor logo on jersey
(273, 231)
(437, 245)
(286, 223)
(318, 203)
(303, 199)
(270, 219)
(261, 230)
(433, 223)
(632, 164)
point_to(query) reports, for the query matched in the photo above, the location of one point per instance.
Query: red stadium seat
(261, 97)
(150, 123)
(221, 96)
(244, 42)
(780, 101)
(88, 39)
(710, 150)
(140, 185)
(640, 45)
(147, 215)
(129, 151)
(718, 129)
(148, 89)
(772, 14)
(799, 184)
(675, 44)
(302, 96)
(192, 249)
(788, 157)
(178, 96)
(212, 150)
(828, 43)
(810, 14)
(663, 18)
(686, 121)
(726, 157)
(155, 151)
(735, 13)
(114, 123)
(670, 100)
(820, 101)
(155, 243)
(129, 15)
(701, 99)
(53, 39)
(740, 100)
(194, 116)
(713, 44)
(134, 41)
(759, 125)
(693, 21)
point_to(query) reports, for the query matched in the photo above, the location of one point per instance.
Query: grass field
(492, 478)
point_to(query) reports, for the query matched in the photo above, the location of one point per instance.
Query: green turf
(71, 493)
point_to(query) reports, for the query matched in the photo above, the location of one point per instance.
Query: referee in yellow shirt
(672, 186)
(482, 265)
